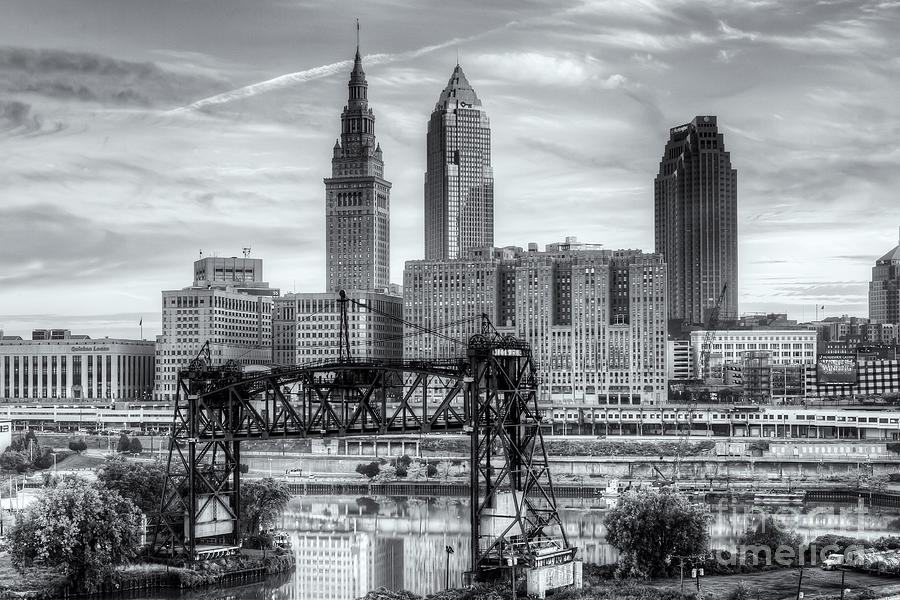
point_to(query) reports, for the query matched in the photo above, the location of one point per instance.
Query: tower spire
(357, 38)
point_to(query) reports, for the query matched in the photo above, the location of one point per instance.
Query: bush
(431, 470)
(78, 446)
(841, 542)
(891, 542)
(44, 461)
(135, 446)
(386, 474)
(12, 460)
(370, 470)
(124, 444)
(740, 592)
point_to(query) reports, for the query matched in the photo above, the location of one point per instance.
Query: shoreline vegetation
(42, 584)
(80, 534)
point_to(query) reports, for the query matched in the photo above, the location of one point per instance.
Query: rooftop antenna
(201, 252)
(357, 35)
(246, 251)
(457, 56)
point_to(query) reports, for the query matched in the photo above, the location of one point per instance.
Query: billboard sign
(836, 368)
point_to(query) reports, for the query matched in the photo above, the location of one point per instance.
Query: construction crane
(712, 323)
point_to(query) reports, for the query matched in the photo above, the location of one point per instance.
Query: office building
(695, 215)
(228, 305)
(884, 289)
(357, 199)
(784, 347)
(595, 319)
(459, 181)
(449, 297)
(306, 327)
(75, 367)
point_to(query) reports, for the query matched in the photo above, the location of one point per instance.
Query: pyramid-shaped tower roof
(891, 257)
(459, 91)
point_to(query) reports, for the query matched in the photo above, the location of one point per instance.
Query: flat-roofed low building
(785, 347)
(76, 368)
(865, 378)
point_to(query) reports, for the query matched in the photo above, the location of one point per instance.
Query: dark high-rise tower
(459, 181)
(884, 289)
(357, 198)
(695, 212)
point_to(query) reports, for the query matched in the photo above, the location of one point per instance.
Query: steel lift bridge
(489, 394)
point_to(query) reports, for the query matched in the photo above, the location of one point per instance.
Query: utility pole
(843, 572)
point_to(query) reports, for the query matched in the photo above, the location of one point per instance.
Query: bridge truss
(489, 394)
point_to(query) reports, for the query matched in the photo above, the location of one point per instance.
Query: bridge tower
(514, 520)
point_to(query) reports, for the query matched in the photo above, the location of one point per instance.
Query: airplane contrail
(283, 81)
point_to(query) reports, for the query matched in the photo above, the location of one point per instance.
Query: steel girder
(514, 521)
(217, 407)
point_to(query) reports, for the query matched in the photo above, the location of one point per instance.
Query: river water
(346, 546)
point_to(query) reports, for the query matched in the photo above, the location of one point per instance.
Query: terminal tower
(357, 198)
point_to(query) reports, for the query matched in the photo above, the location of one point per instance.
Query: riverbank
(701, 490)
(769, 585)
(250, 565)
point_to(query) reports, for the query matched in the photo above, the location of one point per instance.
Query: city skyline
(127, 161)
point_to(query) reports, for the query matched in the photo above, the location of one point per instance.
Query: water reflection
(347, 546)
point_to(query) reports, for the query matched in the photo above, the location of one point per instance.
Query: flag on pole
(141, 324)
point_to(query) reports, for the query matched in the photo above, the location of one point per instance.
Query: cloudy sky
(134, 134)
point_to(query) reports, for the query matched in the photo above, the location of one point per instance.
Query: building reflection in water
(348, 546)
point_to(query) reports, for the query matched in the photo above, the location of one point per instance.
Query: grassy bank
(42, 584)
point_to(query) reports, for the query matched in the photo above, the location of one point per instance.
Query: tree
(651, 528)
(402, 465)
(82, 529)
(27, 445)
(14, 461)
(261, 503)
(141, 482)
(135, 447)
(767, 538)
(124, 444)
